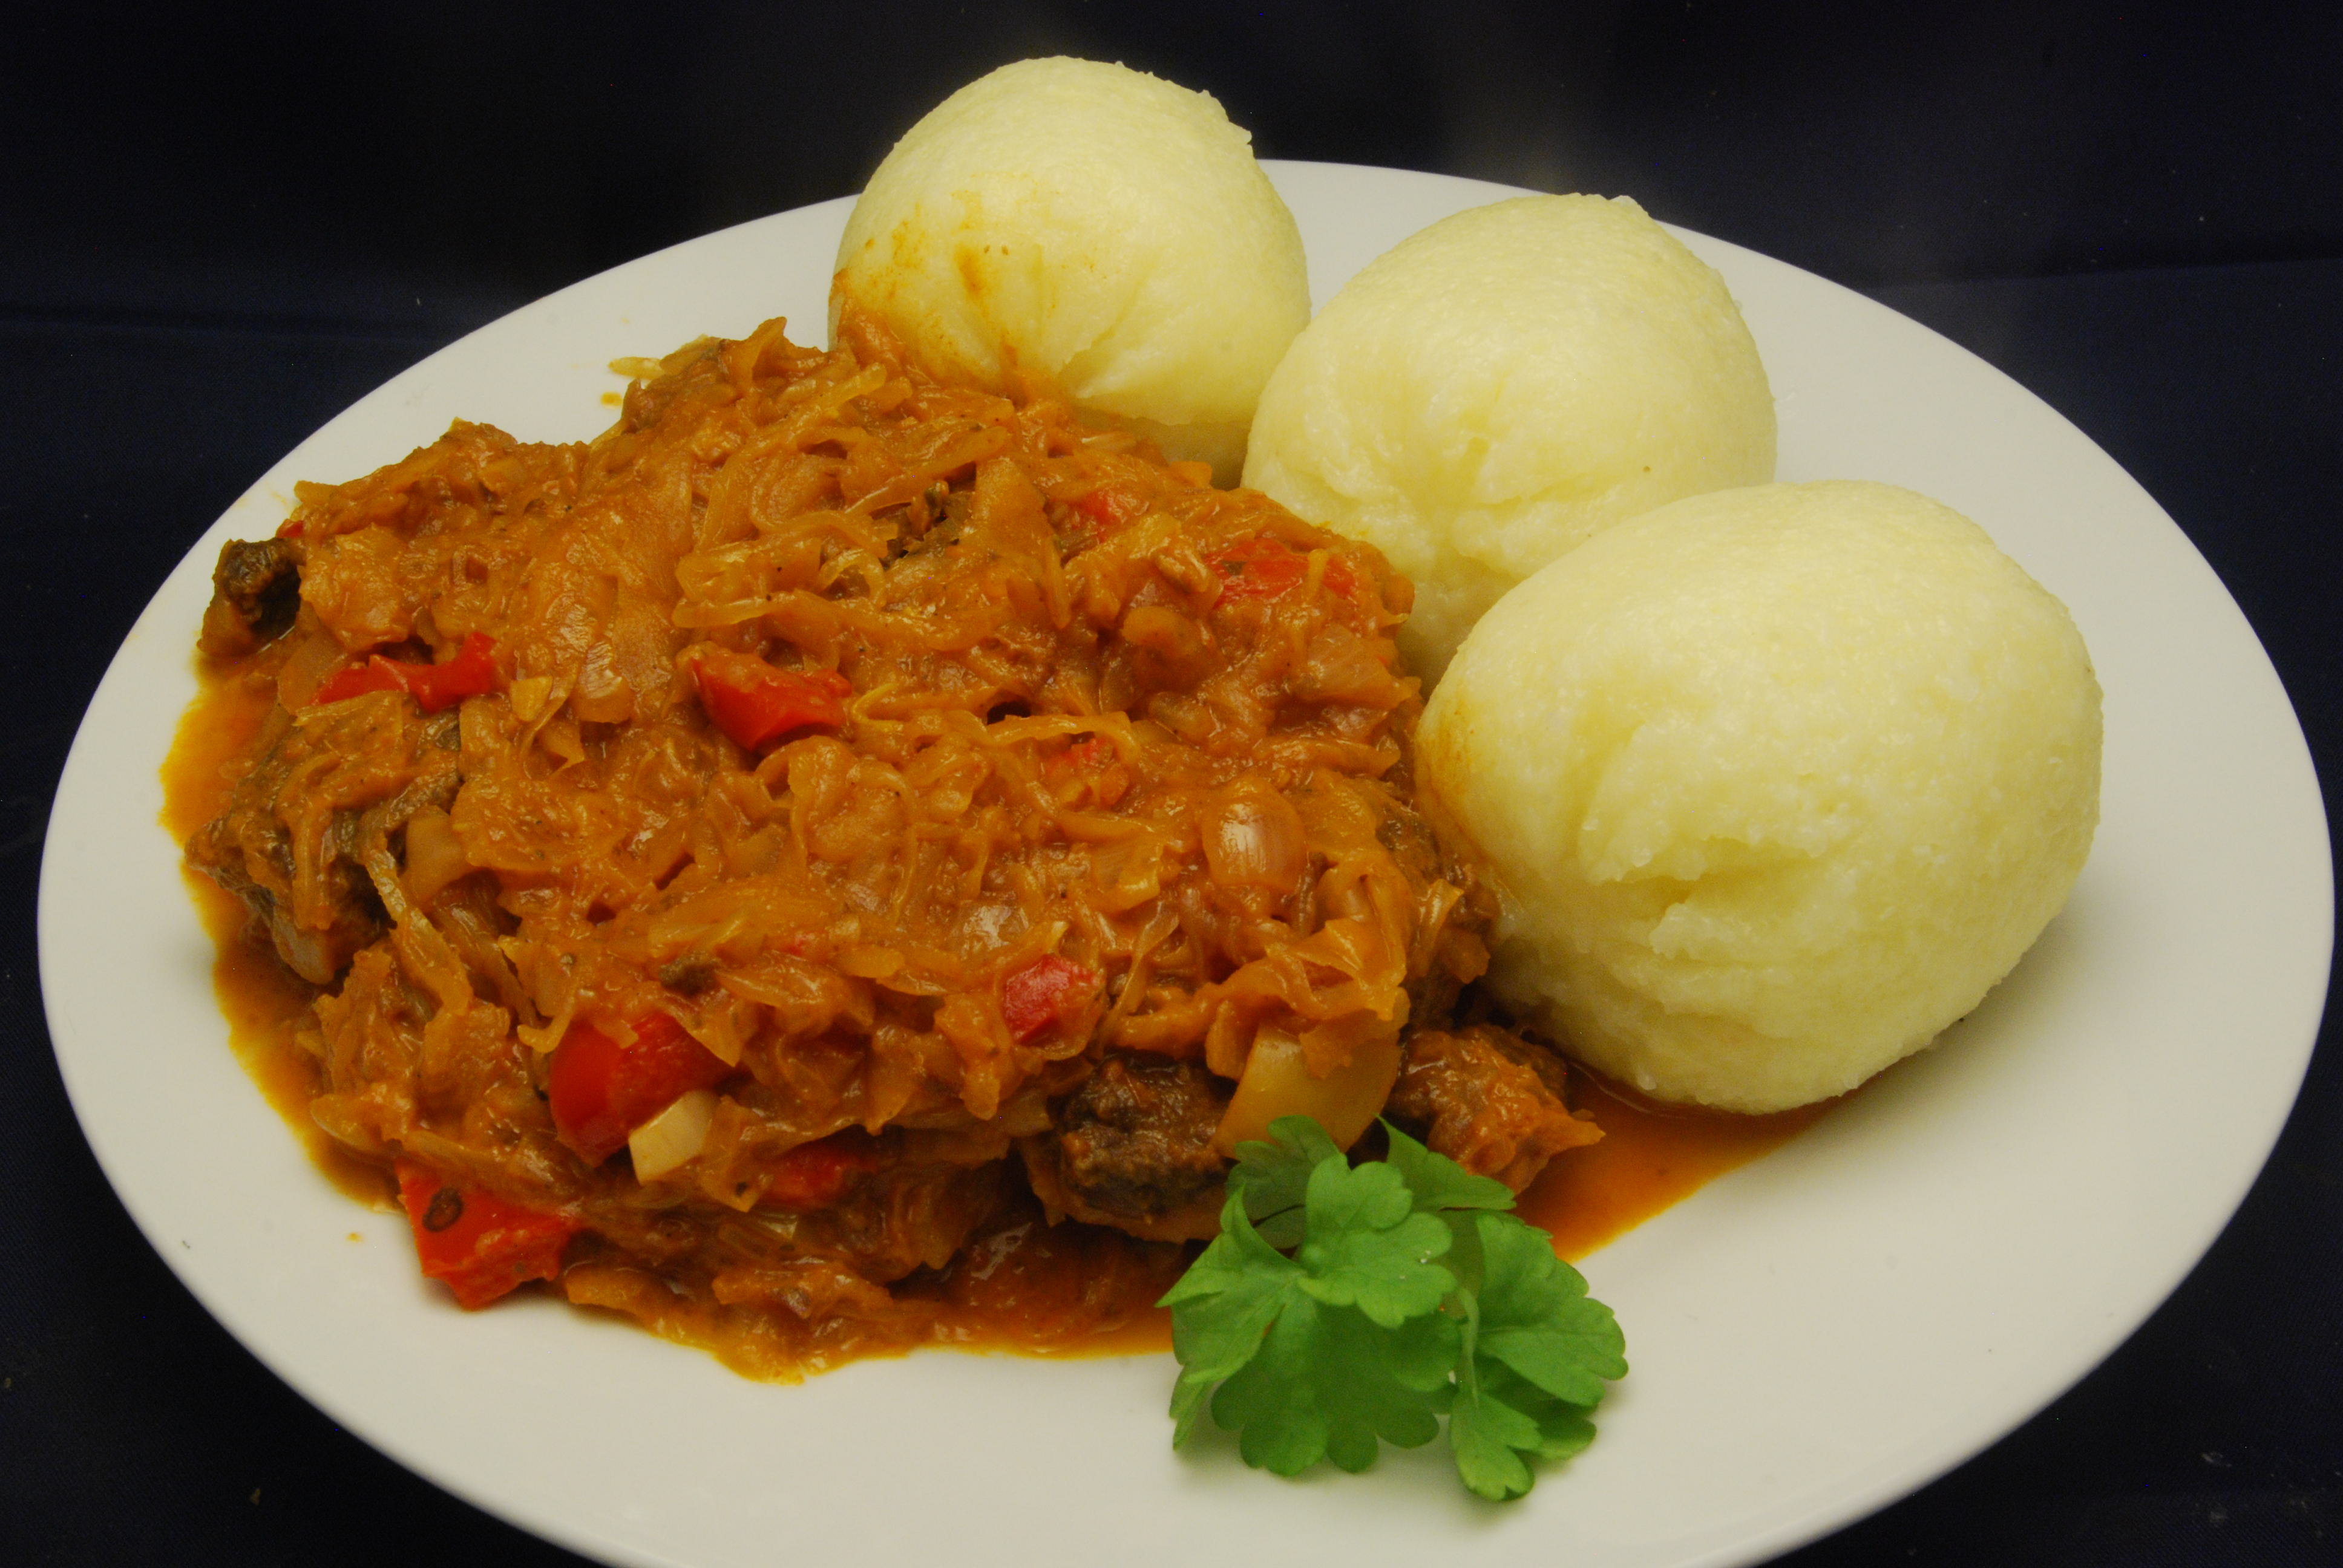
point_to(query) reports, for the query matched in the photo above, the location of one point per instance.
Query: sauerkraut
(750, 864)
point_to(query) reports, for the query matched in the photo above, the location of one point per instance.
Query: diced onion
(1277, 1082)
(435, 855)
(1252, 838)
(602, 695)
(673, 1136)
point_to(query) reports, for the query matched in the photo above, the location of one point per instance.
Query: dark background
(219, 227)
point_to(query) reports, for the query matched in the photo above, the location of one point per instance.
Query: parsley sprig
(1342, 1306)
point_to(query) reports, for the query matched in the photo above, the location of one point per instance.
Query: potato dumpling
(1502, 385)
(1775, 783)
(1086, 229)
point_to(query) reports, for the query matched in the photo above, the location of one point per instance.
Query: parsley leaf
(1437, 1181)
(1301, 1381)
(1501, 1418)
(1221, 1308)
(1328, 1382)
(1410, 1292)
(1536, 1317)
(1275, 1177)
(1367, 1247)
(1537, 1351)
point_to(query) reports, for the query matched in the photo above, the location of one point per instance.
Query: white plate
(1812, 1337)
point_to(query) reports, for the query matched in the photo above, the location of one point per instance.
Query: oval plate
(1811, 1336)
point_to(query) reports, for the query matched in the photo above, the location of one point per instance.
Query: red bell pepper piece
(1262, 567)
(1108, 509)
(373, 675)
(812, 1175)
(601, 1091)
(755, 704)
(470, 673)
(1046, 991)
(481, 1244)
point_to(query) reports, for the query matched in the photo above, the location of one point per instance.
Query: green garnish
(1411, 1293)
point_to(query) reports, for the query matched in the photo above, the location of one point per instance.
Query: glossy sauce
(1020, 1285)
(1651, 1156)
(262, 1000)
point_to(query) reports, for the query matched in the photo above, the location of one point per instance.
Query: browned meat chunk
(1492, 1101)
(256, 591)
(293, 840)
(227, 852)
(1133, 1147)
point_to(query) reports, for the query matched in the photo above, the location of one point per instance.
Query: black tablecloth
(137, 399)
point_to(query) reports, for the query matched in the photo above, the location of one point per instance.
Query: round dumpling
(1775, 784)
(1087, 230)
(1502, 385)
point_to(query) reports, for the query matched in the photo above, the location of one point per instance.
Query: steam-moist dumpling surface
(1093, 229)
(1778, 782)
(1502, 385)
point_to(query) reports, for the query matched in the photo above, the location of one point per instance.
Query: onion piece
(435, 855)
(673, 1136)
(1254, 838)
(1277, 1082)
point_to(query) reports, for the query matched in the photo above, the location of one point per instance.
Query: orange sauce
(1030, 1288)
(262, 1001)
(1650, 1157)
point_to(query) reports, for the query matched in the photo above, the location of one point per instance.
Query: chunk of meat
(292, 840)
(1490, 1101)
(1133, 1148)
(256, 591)
(232, 849)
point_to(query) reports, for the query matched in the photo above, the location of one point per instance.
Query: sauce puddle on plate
(1650, 1157)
